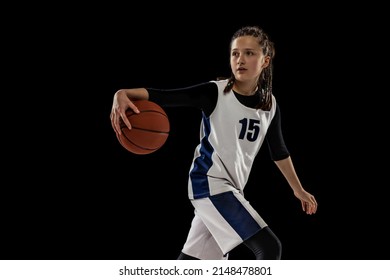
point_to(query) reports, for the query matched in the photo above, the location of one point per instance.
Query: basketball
(150, 128)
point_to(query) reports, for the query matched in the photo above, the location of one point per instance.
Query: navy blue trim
(202, 164)
(235, 214)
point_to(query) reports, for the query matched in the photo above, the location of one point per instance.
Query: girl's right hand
(120, 105)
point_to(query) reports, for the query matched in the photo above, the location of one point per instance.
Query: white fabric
(231, 137)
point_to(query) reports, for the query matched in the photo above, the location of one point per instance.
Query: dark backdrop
(74, 193)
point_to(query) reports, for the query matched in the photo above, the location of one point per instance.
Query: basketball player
(239, 114)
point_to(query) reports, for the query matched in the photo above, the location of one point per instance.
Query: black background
(72, 192)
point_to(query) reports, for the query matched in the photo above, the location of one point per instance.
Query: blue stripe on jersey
(235, 214)
(198, 174)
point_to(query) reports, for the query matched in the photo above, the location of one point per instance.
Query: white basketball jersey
(230, 139)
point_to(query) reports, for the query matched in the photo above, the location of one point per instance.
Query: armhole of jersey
(273, 106)
(221, 84)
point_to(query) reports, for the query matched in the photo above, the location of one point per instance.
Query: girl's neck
(245, 88)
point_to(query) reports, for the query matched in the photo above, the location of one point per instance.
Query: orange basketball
(150, 128)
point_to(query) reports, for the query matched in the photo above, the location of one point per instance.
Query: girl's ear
(267, 59)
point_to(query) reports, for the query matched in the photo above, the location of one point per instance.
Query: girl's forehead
(245, 42)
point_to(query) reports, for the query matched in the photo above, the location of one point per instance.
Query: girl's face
(247, 59)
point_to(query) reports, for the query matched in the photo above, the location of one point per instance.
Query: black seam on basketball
(123, 125)
(142, 147)
(153, 110)
(150, 130)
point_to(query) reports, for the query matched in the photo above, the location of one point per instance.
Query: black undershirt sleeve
(277, 147)
(201, 96)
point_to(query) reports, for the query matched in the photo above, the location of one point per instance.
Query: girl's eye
(247, 53)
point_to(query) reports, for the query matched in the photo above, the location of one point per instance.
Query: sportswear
(232, 132)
